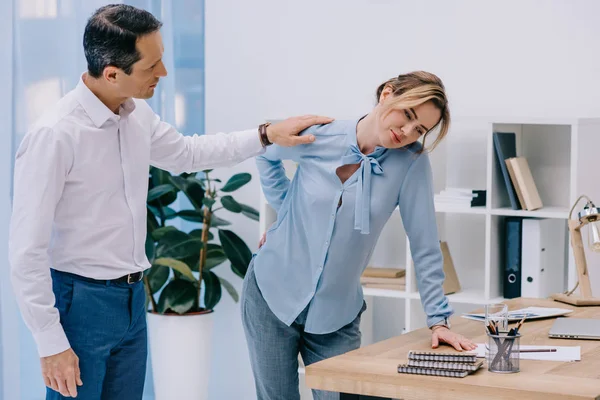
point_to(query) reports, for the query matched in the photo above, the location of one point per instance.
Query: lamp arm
(577, 201)
(570, 292)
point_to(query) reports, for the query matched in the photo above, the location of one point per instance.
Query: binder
(512, 257)
(543, 257)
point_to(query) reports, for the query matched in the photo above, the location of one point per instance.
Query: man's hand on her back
(285, 133)
(61, 372)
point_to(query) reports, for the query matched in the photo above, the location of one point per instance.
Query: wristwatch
(262, 134)
(443, 322)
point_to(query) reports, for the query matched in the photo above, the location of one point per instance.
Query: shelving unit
(561, 156)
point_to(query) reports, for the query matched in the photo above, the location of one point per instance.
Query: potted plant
(182, 289)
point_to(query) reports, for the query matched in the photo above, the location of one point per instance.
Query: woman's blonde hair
(413, 89)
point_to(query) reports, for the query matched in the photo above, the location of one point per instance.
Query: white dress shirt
(80, 190)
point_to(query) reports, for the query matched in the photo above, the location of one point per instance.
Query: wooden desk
(372, 370)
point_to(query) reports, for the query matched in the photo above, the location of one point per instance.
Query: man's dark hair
(111, 34)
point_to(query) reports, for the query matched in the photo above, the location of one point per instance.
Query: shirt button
(326, 243)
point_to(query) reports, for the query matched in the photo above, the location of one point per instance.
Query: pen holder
(503, 354)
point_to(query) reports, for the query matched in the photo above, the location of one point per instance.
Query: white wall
(269, 59)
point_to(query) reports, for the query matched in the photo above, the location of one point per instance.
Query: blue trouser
(274, 346)
(105, 323)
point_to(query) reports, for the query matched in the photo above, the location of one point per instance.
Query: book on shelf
(384, 278)
(389, 283)
(505, 146)
(398, 287)
(456, 365)
(384, 281)
(520, 175)
(461, 197)
(451, 282)
(382, 272)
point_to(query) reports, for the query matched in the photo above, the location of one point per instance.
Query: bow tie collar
(368, 166)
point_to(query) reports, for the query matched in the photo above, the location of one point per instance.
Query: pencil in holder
(503, 354)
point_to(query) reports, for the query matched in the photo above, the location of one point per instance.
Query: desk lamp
(590, 215)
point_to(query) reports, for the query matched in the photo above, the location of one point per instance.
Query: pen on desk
(537, 351)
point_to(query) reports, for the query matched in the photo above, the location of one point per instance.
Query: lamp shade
(591, 215)
(595, 236)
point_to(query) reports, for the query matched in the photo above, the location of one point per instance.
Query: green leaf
(214, 256)
(250, 212)
(197, 233)
(157, 277)
(151, 222)
(230, 289)
(159, 191)
(177, 266)
(159, 176)
(208, 202)
(236, 182)
(179, 295)
(160, 232)
(192, 188)
(187, 175)
(180, 246)
(191, 215)
(167, 212)
(230, 204)
(216, 221)
(165, 200)
(237, 252)
(150, 248)
(212, 289)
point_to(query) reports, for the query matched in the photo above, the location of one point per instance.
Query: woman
(302, 292)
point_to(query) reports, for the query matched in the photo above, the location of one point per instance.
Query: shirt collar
(96, 109)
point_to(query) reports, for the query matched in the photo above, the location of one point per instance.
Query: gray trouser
(274, 346)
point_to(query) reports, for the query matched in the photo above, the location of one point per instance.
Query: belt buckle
(130, 279)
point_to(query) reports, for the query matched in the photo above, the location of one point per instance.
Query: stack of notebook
(456, 365)
(383, 278)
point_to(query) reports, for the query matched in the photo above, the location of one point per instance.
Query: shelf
(445, 208)
(376, 292)
(545, 212)
(467, 296)
(472, 296)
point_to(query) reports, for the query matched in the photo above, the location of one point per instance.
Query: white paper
(529, 313)
(563, 353)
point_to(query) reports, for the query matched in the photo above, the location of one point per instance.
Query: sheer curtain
(42, 59)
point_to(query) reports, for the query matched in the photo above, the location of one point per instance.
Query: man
(79, 217)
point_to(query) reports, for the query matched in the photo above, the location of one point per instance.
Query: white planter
(180, 350)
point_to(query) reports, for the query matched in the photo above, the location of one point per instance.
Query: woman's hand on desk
(441, 334)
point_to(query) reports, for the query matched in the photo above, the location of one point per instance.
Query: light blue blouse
(326, 230)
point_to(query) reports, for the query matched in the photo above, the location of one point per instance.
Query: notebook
(451, 366)
(465, 357)
(407, 369)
